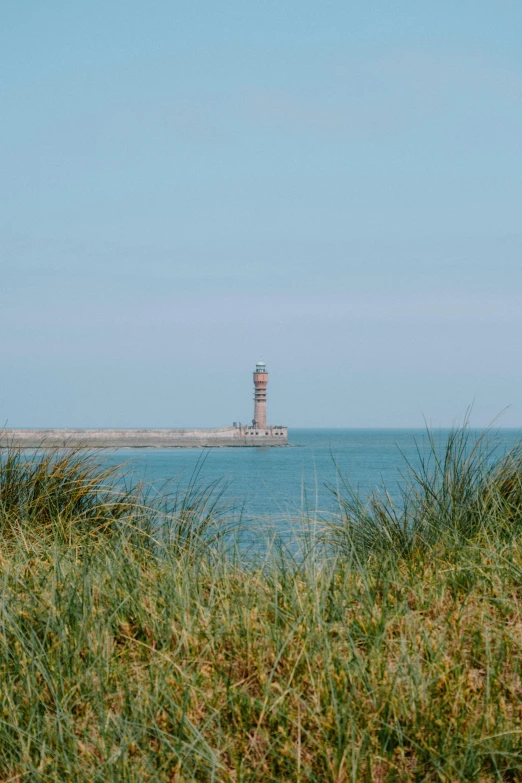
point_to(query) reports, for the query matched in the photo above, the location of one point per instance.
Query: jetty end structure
(259, 433)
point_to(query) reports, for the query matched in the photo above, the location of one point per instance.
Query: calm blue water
(278, 483)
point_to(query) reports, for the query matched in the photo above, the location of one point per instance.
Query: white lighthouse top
(260, 367)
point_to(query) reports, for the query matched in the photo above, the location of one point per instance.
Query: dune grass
(458, 490)
(136, 644)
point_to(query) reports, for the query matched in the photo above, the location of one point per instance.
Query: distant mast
(260, 384)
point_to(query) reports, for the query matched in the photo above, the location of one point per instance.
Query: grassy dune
(137, 645)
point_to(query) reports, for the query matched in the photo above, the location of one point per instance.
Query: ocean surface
(278, 484)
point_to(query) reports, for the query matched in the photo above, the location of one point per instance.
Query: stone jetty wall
(146, 438)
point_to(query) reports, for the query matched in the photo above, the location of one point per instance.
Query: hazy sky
(332, 187)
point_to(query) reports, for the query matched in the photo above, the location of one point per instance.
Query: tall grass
(392, 655)
(73, 493)
(461, 489)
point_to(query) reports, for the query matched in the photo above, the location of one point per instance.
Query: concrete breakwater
(146, 438)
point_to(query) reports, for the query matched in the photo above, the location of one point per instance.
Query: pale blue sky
(332, 187)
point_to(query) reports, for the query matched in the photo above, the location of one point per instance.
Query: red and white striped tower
(260, 384)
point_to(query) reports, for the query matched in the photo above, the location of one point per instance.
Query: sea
(284, 484)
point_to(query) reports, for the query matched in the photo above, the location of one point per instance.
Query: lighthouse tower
(260, 384)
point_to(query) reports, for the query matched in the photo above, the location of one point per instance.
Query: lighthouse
(260, 384)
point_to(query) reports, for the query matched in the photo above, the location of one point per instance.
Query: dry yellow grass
(134, 657)
(117, 665)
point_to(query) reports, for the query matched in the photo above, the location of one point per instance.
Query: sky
(332, 187)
